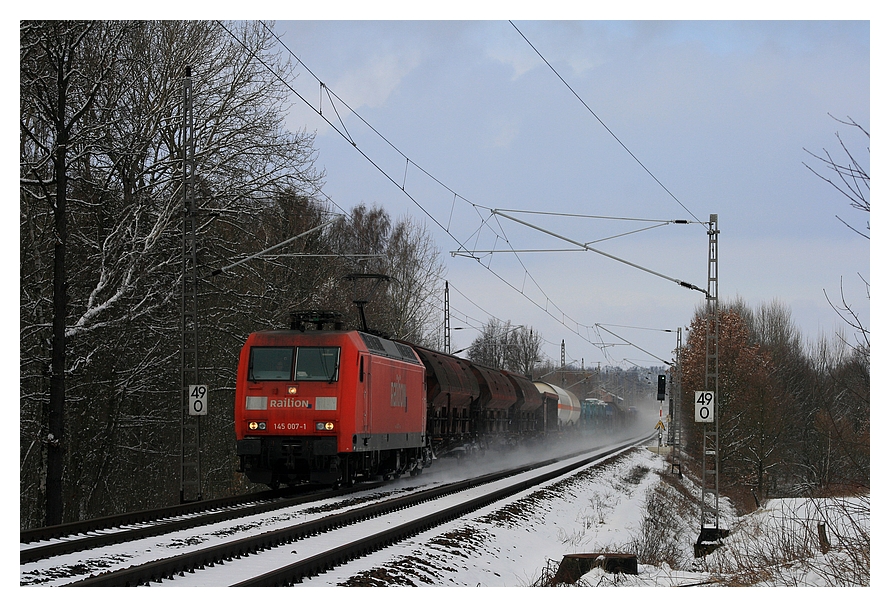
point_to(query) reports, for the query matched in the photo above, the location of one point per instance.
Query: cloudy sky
(644, 120)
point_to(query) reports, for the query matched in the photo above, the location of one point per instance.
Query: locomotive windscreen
(270, 363)
(277, 363)
(319, 364)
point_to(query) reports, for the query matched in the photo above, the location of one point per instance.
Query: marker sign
(704, 406)
(197, 400)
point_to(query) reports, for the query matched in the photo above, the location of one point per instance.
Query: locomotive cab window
(318, 363)
(268, 363)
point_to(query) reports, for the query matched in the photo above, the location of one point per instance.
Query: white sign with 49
(704, 406)
(197, 400)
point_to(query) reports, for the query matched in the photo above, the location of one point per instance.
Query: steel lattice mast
(710, 480)
(190, 437)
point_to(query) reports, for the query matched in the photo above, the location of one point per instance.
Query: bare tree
(844, 370)
(793, 421)
(403, 304)
(490, 348)
(851, 179)
(418, 271)
(63, 66)
(503, 346)
(848, 176)
(112, 182)
(525, 349)
(835, 449)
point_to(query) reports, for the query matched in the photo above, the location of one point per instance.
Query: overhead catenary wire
(272, 248)
(635, 327)
(587, 216)
(609, 255)
(333, 95)
(592, 113)
(478, 322)
(634, 345)
(345, 134)
(548, 306)
(612, 237)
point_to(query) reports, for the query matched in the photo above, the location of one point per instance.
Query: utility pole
(447, 344)
(190, 433)
(707, 410)
(674, 435)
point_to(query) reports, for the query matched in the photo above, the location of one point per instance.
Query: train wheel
(347, 474)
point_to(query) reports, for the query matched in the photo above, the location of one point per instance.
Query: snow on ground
(632, 505)
(511, 545)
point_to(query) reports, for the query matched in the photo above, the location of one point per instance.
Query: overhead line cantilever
(603, 253)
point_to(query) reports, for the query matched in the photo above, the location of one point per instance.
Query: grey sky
(718, 112)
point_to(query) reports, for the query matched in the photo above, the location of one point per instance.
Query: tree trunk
(55, 460)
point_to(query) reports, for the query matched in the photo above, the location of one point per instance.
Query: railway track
(291, 552)
(47, 542)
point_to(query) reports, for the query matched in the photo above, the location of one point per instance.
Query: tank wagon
(568, 404)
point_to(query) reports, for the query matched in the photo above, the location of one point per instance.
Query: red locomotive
(334, 406)
(328, 406)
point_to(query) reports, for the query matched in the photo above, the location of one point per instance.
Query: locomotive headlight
(291, 390)
(256, 425)
(324, 426)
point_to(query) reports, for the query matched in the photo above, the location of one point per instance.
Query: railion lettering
(289, 403)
